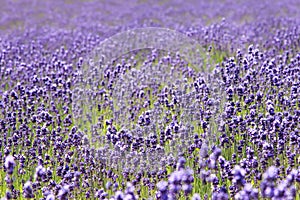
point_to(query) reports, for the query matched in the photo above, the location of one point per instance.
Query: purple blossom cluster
(151, 124)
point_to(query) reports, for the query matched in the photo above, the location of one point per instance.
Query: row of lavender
(48, 152)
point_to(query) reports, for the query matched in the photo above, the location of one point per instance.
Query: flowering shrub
(86, 113)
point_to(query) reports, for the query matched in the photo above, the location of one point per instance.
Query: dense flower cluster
(151, 125)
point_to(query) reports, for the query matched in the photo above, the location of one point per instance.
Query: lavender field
(148, 99)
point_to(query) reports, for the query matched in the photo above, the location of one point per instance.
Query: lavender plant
(149, 122)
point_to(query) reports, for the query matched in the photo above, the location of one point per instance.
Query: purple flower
(9, 164)
(239, 175)
(27, 190)
(63, 192)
